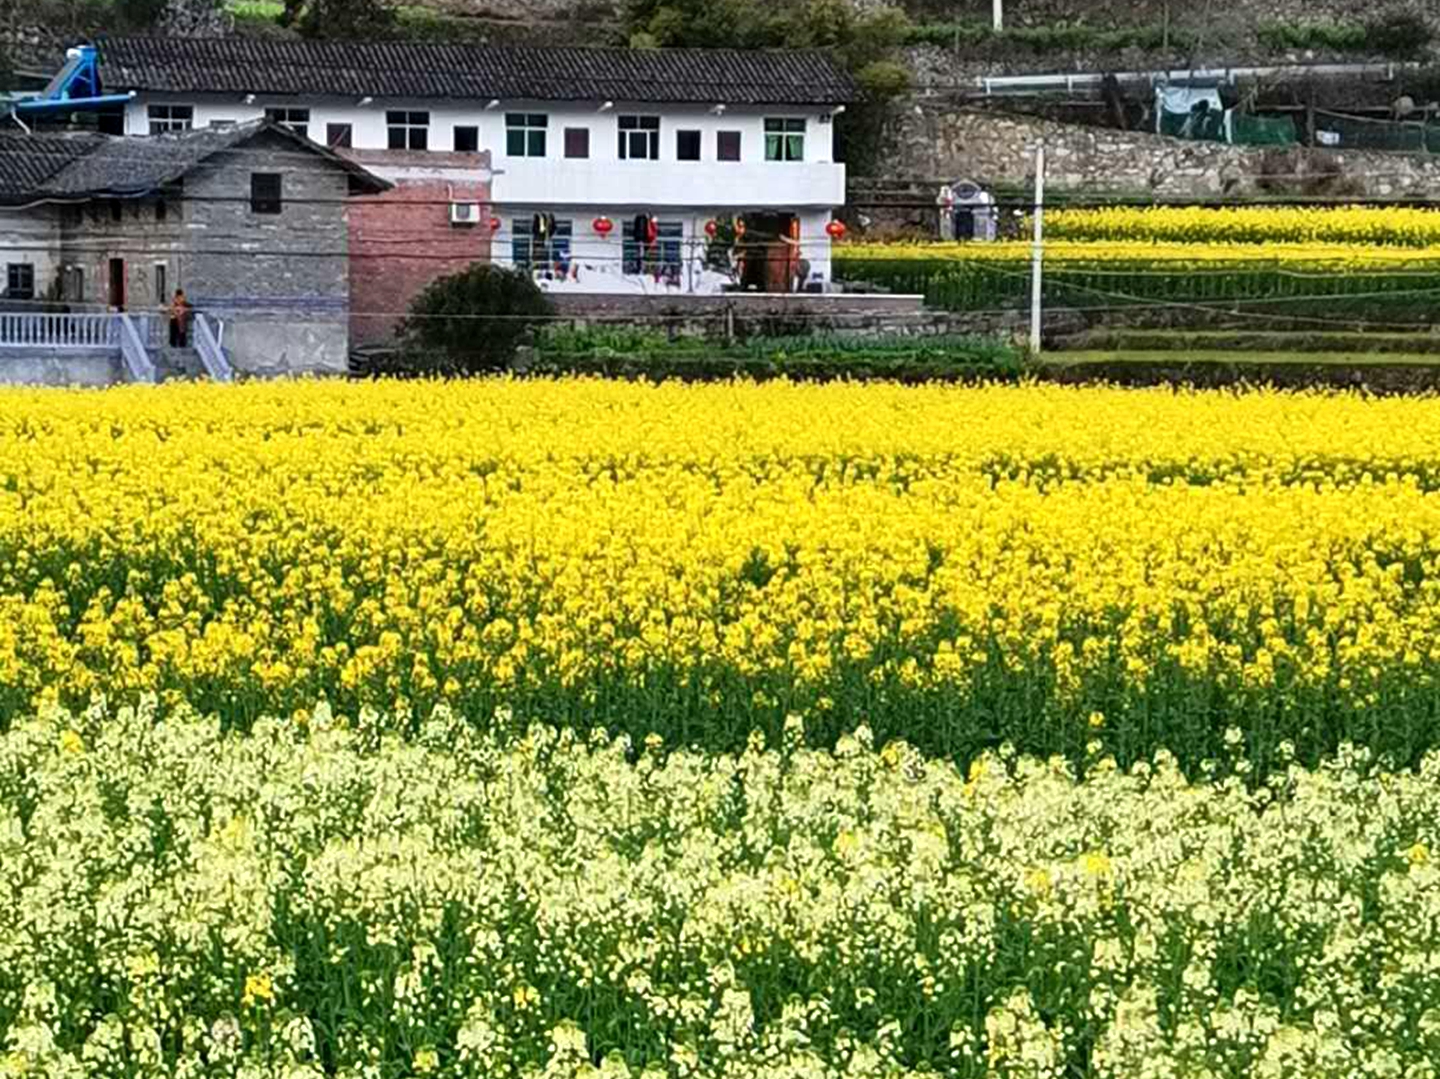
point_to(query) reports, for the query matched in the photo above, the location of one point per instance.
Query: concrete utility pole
(1037, 256)
(999, 15)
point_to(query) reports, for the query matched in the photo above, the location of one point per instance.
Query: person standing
(179, 319)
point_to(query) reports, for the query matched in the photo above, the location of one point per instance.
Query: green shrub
(1325, 35)
(471, 322)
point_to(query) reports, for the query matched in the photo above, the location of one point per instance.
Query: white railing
(133, 351)
(58, 331)
(212, 356)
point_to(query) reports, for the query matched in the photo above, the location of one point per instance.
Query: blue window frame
(550, 255)
(665, 257)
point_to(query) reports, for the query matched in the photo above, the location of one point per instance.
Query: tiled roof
(27, 162)
(235, 65)
(97, 166)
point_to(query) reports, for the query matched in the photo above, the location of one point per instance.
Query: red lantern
(494, 224)
(602, 225)
(836, 230)
(711, 228)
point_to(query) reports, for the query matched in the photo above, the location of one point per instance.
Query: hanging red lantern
(652, 231)
(836, 230)
(711, 228)
(602, 225)
(494, 224)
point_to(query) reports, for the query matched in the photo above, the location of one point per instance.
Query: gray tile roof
(27, 162)
(235, 65)
(98, 166)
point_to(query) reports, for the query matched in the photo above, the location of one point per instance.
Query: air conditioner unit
(464, 213)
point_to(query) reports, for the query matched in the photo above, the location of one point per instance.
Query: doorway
(117, 284)
(771, 250)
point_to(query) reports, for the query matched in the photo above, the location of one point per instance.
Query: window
(297, 120)
(552, 254)
(20, 281)
(265, 193)
(74, 284)
(117, 210)
(639, 138)
(408, 130)
(784, 140)
(220, 124)
(167, 119)
(162, 210)
(687, 146)
(577, 142)
(467, 140)
(727, 146)
(662, 259)
(162, 282)
(525, 134)
(339, 136)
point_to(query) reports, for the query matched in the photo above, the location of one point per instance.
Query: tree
(473, 321)
(864, 40)
(339, 18)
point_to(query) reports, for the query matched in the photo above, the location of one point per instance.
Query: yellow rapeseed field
(588, 730)
(959, 567)
(1360, 226)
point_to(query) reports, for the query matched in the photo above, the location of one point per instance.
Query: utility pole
(999, 15)
(1037, 254)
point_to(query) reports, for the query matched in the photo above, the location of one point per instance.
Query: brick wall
(403, 240)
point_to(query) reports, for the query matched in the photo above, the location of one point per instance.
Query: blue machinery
(76, 87)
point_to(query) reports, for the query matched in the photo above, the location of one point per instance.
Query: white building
(689, 146)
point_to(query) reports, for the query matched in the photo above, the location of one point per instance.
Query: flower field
(1333, 277)
(582, 728)
(1357, 226)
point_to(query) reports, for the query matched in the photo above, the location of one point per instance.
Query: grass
(1197, 357)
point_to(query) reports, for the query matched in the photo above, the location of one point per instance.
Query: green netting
(1355, 133)
(1262, 130)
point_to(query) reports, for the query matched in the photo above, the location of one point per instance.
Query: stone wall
(930, 146)
(142, 234)
(272, 277)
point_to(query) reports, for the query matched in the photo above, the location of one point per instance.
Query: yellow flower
(1096, 863)
(1097, 720)
(426, 1061)
(259, 989)
(525, 997)
(890, 755)
(1418, 854)
(71, 742)
(846, 843)
(1037, 880)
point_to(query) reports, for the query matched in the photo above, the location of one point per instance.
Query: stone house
(251, 220)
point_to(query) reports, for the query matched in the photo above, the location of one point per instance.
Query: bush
(1328, 36)
(472, 322)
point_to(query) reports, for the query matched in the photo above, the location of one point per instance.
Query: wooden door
(117, 284)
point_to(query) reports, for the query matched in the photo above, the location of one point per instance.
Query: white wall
(604, 178)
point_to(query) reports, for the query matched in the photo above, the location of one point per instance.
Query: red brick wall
(403, 240)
